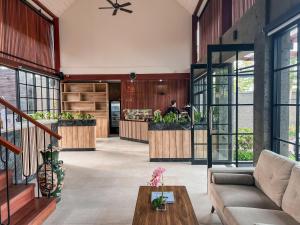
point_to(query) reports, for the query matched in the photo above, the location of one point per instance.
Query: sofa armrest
(239, 170)
(233, 179)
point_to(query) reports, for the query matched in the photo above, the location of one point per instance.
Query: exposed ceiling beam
(197, 7)
(202, 6)
(44, 8)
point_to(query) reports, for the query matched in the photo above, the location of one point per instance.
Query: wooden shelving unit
(89, 98)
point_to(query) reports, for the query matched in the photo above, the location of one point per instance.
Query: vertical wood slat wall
(134, 130)
(25, 34)
(217, 18)
(151, 94)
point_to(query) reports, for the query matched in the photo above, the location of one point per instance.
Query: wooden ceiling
(58, 7)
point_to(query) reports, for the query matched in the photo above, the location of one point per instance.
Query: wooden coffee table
(179, 213)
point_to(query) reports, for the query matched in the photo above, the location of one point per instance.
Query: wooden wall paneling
(133, 127)
(27, 36)
(173, 147)
(166, 144)
(144, 94)
(179, 144)
(152, 145)
(159, 143)
(144, 131)
(186, 144)
(138, 130)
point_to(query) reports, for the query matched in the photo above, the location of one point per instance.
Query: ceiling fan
(116, 6)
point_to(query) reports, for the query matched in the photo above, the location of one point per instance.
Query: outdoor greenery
(62, 116)
(245, 144)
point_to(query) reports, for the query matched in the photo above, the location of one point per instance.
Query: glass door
(199, 113)
(230, 88)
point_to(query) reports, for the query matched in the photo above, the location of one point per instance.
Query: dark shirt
(173, 110)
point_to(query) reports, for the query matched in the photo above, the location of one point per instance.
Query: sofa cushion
(251, 216)
(239, 196)
(291, 197)
(233, 178)
(272, 174)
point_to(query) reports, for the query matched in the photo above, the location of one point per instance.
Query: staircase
(25, 208)
(20, 197)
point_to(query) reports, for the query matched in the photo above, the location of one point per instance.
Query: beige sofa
(268, 194)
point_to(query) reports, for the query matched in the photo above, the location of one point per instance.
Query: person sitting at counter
(172, 108)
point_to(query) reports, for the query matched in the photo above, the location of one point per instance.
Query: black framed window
(37, 92)
(286, 91)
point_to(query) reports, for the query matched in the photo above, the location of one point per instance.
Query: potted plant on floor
(51, 173)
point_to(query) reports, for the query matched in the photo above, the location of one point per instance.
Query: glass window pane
(44, 93)
(44, 81)
(286, 49)
(245, 121)
(286, 125)
(39, 104)
(287, 150)
(31, 108)
(45, 105)
(22, 77)
(23, 104)
(38, 80)
(38, 92)
(8, 84)
(245, 147)
(29, 78)
(30, 91)
(286, 86)
(23, 90)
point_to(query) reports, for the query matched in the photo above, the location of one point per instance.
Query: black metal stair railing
(22, 140)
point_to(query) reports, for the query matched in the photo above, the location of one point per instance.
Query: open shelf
(91, 98)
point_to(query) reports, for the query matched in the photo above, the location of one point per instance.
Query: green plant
(245, 142)
(83, 116)
(157, 117)
(245, 155)
(158, 202)
(44, 116)
(183, 119)
(170, 118)
(66, 116)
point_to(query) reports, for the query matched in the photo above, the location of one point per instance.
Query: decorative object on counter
(137, 114)
(51, 185)
(159, 203)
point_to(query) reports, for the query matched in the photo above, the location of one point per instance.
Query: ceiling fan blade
(106, 7)
(115, 12)
(125, 4)
(110, 2)
(126, 10)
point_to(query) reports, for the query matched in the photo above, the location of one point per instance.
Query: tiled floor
(101, 187)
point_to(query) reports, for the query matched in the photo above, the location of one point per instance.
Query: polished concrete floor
(101, 187)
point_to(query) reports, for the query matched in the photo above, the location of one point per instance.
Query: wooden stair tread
(3, 179)
(15, 191)
(34, 212)
(19, 195)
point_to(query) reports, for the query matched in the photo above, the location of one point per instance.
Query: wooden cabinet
(134, 130)
(91, 98)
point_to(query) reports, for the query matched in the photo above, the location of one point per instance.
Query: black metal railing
(24, 143)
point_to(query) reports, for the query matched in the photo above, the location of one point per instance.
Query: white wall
(156, 38)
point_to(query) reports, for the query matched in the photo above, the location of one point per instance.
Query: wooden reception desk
(173, 143)
(134, 130)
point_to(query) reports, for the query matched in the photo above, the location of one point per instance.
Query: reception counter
(78, 135)
(134, 130)
(172, 142)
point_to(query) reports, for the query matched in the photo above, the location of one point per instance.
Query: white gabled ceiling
(58, 7)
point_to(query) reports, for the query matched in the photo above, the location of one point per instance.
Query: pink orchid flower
(156, 176)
